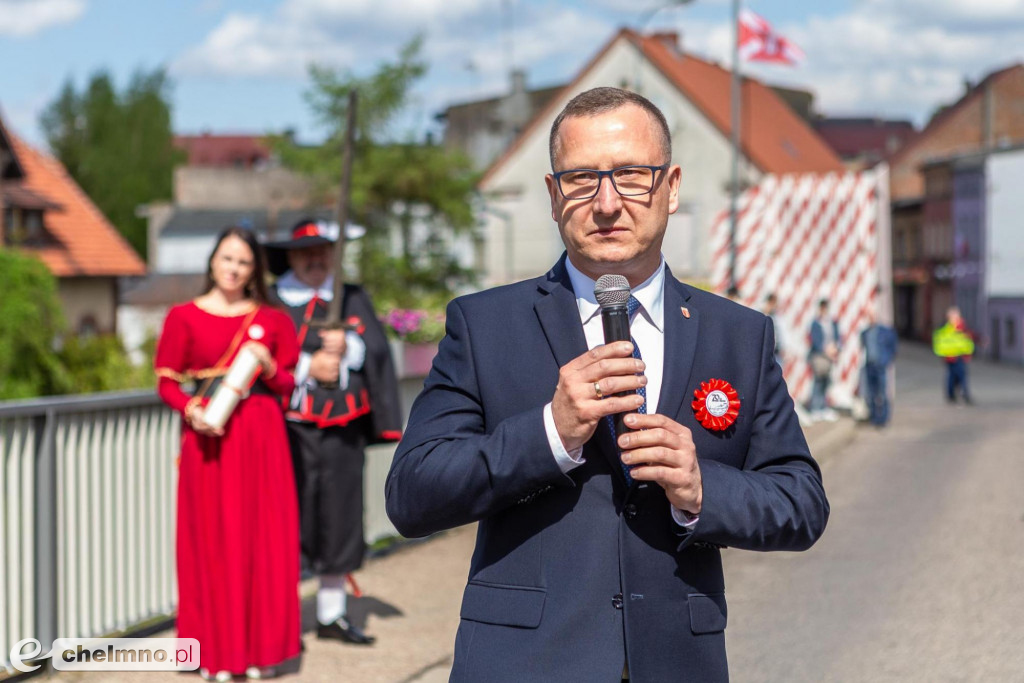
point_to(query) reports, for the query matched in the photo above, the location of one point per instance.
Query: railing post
(45, 527)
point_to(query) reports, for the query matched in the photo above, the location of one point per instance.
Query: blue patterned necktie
(633, 306)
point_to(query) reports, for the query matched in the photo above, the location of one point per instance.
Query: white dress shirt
(648, 331)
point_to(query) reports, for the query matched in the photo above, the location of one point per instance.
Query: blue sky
(239, 65)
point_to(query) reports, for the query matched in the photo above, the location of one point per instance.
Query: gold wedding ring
(597, 390)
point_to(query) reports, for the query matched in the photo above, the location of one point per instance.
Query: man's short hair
(601, 101)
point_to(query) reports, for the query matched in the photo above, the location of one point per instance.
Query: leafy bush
(99, 363)
(36, 358)
(30, 319)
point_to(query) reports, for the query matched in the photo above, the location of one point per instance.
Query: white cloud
(340, 13)
(875, 60)
(331, 32)
(876, 57)
(249, 46)
(27, 17)
(949, 13)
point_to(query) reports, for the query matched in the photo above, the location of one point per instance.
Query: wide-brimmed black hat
(308, 232)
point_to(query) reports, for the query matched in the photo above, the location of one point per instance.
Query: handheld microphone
(612, 293)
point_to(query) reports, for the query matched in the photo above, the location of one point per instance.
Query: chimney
(669, 39)
(518, 81)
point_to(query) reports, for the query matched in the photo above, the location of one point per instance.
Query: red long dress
(238, 526)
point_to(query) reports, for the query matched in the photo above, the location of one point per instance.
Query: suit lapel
(680, 347)
(559, 316)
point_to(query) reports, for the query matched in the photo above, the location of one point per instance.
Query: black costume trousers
(329, 476)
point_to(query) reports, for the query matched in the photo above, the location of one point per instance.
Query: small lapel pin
(686, 312)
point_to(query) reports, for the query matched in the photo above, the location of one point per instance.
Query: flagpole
(734, 180)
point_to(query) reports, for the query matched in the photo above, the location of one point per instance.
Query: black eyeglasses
(628, 181)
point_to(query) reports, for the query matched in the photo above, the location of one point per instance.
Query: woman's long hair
(256, 287)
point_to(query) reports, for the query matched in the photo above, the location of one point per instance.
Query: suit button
(617, 601)
(630, 511)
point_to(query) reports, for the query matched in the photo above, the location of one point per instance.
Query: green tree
(394, 184)
(117, 146)
(30, 321)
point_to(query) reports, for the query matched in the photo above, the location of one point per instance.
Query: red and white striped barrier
(807, 237)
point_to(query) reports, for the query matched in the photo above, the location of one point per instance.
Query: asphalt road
(920, 573)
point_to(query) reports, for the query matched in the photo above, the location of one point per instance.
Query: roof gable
(959, 129)
(87, 243)
(12, 169)
(773, 137)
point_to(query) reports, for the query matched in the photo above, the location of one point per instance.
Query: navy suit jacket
(572, 571)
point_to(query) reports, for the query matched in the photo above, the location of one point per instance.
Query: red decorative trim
(306, 317)
(717, 404)
(389, 435)
(324, 419)
(306, 230)
(356, 323)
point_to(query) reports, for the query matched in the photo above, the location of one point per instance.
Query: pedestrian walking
(824, 352)
(878, 343)
(771, 309)
(954, 344)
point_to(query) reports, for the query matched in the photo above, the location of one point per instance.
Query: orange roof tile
(88, 245)
(772, 136)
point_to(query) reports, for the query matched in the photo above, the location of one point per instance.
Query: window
(87, 326)
(1011, 333)
(23, 226)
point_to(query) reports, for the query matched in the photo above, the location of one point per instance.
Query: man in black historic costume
(346, 398)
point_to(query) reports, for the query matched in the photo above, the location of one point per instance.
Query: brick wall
(963, 129)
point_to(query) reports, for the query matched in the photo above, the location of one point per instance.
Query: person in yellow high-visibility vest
(954, 343)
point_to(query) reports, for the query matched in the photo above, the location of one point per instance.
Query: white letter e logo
(18, 657)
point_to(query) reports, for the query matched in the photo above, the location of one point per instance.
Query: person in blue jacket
(878, 342)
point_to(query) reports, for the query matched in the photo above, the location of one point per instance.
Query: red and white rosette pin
(717, 404)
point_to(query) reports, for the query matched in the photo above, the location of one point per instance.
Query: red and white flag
(760, 43)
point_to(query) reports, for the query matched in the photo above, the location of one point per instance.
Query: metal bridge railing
(87, 508)
(88, 490)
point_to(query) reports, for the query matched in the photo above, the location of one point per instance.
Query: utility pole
(734, 179)
(344, 196)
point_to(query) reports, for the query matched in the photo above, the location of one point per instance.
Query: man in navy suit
(597, 557)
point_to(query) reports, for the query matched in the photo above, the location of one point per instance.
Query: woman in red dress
(237, 540)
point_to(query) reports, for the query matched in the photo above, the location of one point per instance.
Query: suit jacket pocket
(520, 606)
(707, 612)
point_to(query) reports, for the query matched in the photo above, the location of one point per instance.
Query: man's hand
(325, 367)
(333, 341)
(664, 453)
(603, 371)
